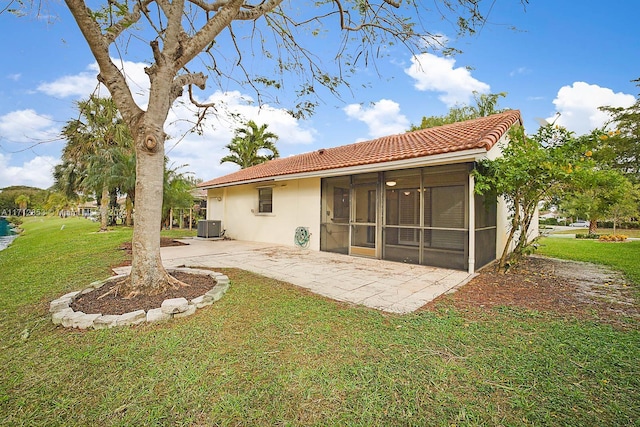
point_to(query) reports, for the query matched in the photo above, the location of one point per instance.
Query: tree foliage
(486, 105)
(530, 170)
(249, 145)
(598, 194)
(177, 191)
(23, 201)
(620, 148)
(37, 198)
(95, 141)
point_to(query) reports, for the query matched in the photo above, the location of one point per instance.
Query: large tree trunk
(147, 273)
(104, 208)
(593, 226)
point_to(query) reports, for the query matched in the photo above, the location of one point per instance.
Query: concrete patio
(383, 285)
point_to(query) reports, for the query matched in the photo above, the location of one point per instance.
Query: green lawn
(620, 256)
(271, 354)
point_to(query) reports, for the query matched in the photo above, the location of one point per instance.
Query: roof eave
(432, 160)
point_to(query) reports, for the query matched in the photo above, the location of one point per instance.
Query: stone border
(63, 314)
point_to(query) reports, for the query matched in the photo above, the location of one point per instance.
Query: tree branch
(210, 30)
(116, 29)
(109, 75)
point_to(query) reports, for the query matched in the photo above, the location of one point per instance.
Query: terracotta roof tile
(482, 133)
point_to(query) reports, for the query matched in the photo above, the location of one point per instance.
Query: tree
(620, 148)
(530, 170)
(124, 171)
(94, 141)
(486, 105)
(177, 191)
(248, 143)
(23, 201)
(599, 193)
(57, 202)
(8, 196)
(268, 31)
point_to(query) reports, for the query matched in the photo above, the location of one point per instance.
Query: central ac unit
(209, 228)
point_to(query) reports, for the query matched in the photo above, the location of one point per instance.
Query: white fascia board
(434, 160)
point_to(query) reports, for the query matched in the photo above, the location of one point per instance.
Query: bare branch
(209, 32)
(198, 79)
(209, 7)
(116, 29)
(109, 75)
(258, 11)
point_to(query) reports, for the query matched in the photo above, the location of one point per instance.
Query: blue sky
(564, 56)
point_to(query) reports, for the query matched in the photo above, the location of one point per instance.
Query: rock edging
(63, 314)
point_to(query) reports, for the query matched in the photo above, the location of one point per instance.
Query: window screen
(265, 200)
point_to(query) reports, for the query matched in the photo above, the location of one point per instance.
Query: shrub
(548, 221)
(612, 238)
(15, 220)
(587, 236)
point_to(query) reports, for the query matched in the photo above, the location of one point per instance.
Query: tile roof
(482, 133)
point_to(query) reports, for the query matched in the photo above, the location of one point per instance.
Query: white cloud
(14, 77)
(436, 74)
(578, 106)
(79, 85)
(382, 118)
(37, 172)
(27, 126)
(83, 84)
(203, 152)
(519, 71)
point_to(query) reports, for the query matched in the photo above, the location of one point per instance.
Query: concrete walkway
(384, 285)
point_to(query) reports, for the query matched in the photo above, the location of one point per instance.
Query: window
(265, 200)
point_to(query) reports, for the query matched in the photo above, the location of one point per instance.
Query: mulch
(533, 285)
(97, 302)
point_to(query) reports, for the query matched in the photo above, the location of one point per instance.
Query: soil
(98, 302)
(566, 288)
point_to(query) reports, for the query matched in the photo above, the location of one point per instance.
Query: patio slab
(383, 285)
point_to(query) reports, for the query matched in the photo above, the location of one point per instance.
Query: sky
(550, 57)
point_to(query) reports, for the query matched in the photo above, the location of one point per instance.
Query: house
(407, 197)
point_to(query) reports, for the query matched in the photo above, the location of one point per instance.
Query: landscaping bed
(567, 288)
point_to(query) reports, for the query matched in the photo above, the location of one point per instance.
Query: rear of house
(407, 198)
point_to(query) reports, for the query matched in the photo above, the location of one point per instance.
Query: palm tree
(124, 171)
(93, 142)
(249, 144)
(23, 201)
(176, 190)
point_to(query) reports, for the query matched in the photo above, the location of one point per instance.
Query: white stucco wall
(296, 203)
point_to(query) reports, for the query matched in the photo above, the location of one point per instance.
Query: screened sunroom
(416, 216)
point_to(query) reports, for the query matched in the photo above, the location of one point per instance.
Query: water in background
(6, 233)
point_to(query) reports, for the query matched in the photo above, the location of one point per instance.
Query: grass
(271, 354)
(624, 257)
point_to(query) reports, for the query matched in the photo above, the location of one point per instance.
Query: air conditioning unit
(209, 228)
